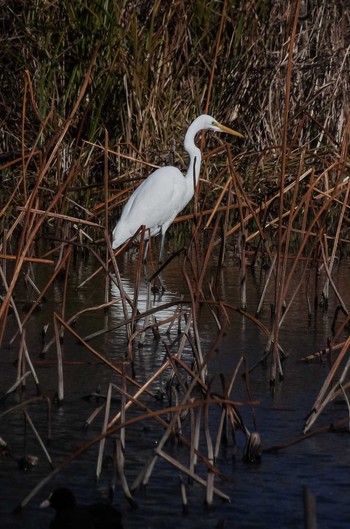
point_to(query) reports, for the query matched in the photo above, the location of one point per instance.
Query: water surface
(266, 495)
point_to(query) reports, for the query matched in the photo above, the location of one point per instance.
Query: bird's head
(206, 122)
(213, 124)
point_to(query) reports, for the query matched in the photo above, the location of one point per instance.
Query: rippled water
(266, 495)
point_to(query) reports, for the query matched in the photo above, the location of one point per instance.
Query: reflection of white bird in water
(157, 201)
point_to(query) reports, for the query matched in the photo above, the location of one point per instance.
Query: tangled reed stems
(279, 204)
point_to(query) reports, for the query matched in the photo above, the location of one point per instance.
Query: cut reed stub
(252, 450)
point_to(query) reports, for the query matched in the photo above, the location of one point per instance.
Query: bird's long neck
(195, 155)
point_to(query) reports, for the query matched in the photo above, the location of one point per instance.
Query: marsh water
(265, 495)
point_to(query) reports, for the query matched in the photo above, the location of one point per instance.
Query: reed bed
(277, 205)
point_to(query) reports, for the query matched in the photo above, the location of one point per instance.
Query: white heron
(166, 192)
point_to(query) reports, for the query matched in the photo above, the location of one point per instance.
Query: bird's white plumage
(166, 192)
(153, 205)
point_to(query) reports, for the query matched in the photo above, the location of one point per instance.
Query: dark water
(266, 495)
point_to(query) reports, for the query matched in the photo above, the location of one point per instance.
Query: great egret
(157, 201)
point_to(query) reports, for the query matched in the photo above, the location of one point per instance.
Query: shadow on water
(265, 495)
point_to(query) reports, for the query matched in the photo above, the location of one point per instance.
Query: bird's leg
(145, 252)
(160, 261)
(144, 259)
(161, 250)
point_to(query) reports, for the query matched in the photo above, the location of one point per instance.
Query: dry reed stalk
(21, 359)
(342, 163)
(178, 313)
(26, 241)
(223, 418)
(164, 423)
(106, 211)
(36, 303)
(330, 280)
(65, 285)
(61, 216)
(210, 478)
(217, 203)
(126, 157)
(38, 438)
(86, 446)
(121, 443)
(139, 316)
(183, 493)
(194, 441)
(306, 237)
(19, 381)
(60, 391)
(136, 290)
(173, 359)
(196, 346)
(93, 415)
(243, 271)
(310, 518)
(324, 207)
(154, 326)
(119, 284)
(103, 306)
(322, 399)
(280, 266)
(25, 356)
(171, 426)
(215, 58)
(142, 389)
(147, 318)
(104, 429)
(266, 284)
(255, 210)
(297, 287)
(195, 477)
(7, 257)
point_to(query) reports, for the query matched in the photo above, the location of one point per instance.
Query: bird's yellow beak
(226, 129)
